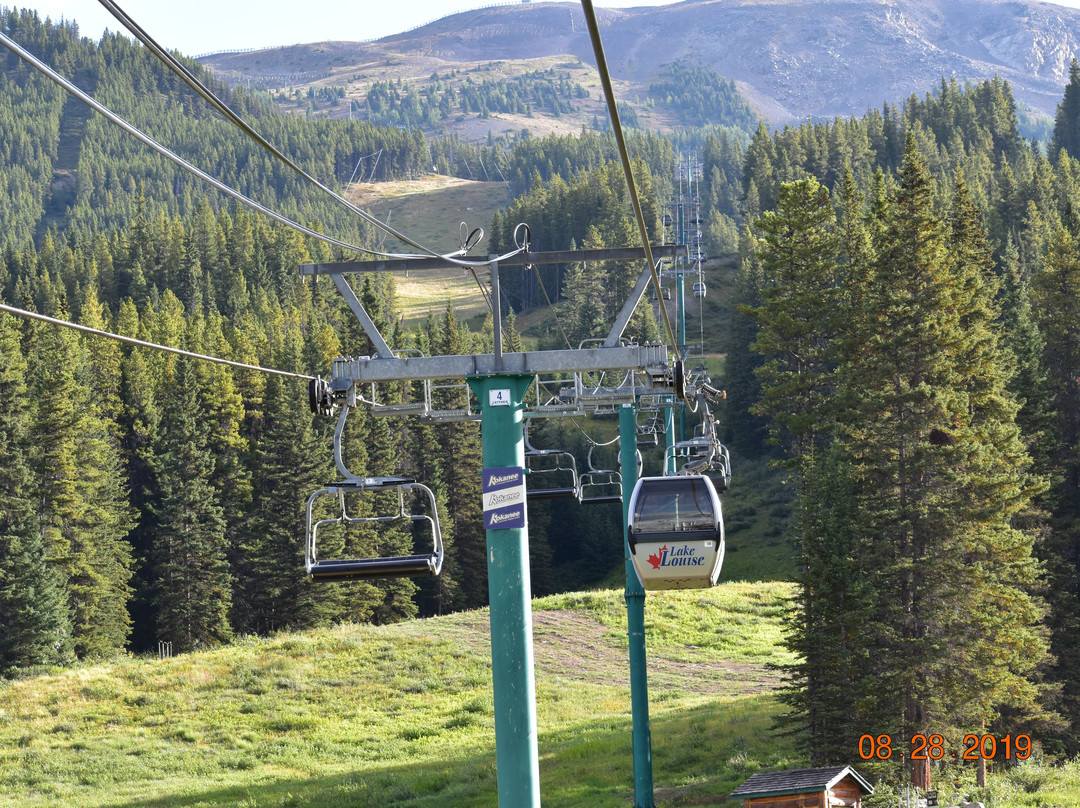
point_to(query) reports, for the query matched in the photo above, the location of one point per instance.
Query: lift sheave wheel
(676, 532)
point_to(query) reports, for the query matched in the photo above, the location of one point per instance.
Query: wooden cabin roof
(799, 781)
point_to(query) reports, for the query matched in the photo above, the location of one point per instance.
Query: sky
(195, 27)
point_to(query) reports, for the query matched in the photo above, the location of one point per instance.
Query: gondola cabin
(676, 532)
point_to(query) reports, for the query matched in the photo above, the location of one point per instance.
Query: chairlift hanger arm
(370, 329)
(628, 307)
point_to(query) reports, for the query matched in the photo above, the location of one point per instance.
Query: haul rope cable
(31, 315)
(97, 106)
(193, 82)
(624, 155)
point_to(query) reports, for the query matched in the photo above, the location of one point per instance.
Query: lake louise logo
(685, 556)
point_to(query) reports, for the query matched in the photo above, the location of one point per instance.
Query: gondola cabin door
(676, 532)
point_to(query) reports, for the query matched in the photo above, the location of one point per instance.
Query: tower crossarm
(651, 360)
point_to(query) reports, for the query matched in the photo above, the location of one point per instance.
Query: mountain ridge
(793, 59)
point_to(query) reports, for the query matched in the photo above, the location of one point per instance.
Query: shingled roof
(799, 781)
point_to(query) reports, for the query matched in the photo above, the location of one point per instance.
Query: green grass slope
(366, 716)
(402, 715)
(431, 210)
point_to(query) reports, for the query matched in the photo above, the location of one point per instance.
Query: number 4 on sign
(499, 398)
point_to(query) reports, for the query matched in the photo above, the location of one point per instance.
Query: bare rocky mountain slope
(794, 59)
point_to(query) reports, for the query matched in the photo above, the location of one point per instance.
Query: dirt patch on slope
(576, 646)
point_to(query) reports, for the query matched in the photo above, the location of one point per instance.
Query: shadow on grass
(700, 754)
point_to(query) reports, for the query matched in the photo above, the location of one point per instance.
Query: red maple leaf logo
(656, 560)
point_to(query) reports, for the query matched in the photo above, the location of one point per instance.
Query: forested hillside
(907, 296)
(166, 495)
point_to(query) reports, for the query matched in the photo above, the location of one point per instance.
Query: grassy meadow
(431, 210)
(402, 715)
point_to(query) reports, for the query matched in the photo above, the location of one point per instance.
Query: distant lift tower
(682, 225)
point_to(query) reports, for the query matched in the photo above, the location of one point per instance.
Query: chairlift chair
(599, 486)
(719, 469)
(703, 455)
(408, 566)
(559, 464)
(676, 532)
(420, 564)
(692, 455)
(647, 434)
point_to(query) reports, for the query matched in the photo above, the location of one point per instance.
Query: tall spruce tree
(799, 323)
(939, 474)
(193, 586)
(744, 432)
(1023, 338)
(83, 514)
(1067, 120)
(801, 313)
(291, 462)
(461, 441)
(825, 688)
(33, 607)
(1056, 298)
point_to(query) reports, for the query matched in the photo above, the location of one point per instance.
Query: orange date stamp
(933, 747)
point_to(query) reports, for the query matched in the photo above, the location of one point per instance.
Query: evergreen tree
(826, 627)
(461, 441)
(193, 586)
(140, 423)
(1056, 297)
(291, 463)
(800, 321)
(83, 516)
(801, 313)
(938, 467)
(394, 598)
(33, 608)
(1067, 120)
(1022, 337)
(438, 595)
(744, 433)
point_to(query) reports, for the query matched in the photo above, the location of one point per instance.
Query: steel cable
(177, 67)
(31, 315)
(624, 155)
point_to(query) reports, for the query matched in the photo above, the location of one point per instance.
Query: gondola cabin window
(674, 505)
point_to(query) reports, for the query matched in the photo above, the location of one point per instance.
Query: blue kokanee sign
(504, 497)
